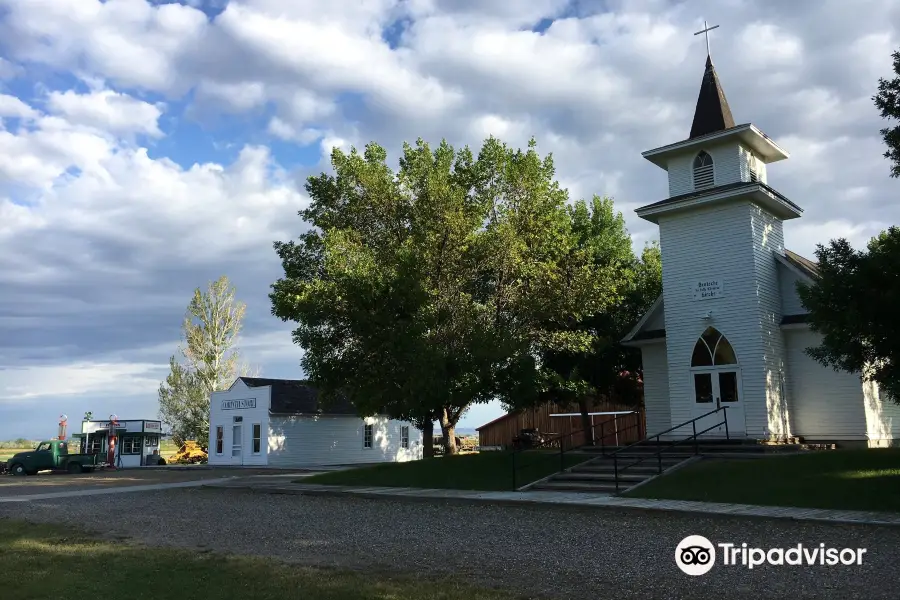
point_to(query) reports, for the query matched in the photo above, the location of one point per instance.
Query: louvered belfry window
(754, 169)
(703, 171)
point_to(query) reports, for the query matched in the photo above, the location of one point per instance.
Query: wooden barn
(620, 424)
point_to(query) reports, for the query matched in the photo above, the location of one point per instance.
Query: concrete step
(611, 476)
(608, 467)
(564, 486)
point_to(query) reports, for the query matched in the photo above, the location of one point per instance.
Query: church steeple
(712, 113)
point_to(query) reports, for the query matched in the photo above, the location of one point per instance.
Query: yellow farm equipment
(190, 452)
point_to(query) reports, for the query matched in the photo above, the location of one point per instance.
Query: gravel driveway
(555, 552)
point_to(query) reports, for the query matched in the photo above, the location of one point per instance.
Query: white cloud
(109, 111)
(117, 230)
(10, 106)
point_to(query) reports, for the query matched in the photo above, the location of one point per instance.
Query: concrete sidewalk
(571, 499)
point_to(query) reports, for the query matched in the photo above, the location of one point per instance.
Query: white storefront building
(281, 423)
(137, 441)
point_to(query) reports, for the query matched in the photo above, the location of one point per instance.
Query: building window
(712, 349)
(704, 177)
(404, 436)
(256, 438)
(368, 435)
(754, 168)
(219, 439)
(151, 440)
(131, 445)
(94, 444)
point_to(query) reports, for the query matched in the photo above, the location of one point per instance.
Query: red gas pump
(63, 419)
(111, 452)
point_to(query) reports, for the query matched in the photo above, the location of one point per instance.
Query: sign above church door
(708, 289)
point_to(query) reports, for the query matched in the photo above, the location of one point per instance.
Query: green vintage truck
(52, 455)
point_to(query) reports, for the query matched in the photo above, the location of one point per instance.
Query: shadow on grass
(41, 562)
(838, 479)
(486, 471)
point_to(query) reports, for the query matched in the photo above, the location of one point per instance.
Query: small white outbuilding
(281, 423)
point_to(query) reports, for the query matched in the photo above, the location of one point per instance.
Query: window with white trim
(754, 168)
(404, 436)
(257, 438)
(704, 175)
(220, 439)
(94, 444)
(131, 444)
(368, 435)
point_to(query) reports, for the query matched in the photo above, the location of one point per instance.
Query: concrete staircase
(640, 463)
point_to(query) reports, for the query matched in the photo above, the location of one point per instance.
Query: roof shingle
(297, 396)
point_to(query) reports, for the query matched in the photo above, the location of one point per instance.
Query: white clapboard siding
(250, 416)
(882, 416)
(656, 388)
(768, 240)
(726, 161)
(729, 243)
(297, 441)
(790, 299)
(825, 404)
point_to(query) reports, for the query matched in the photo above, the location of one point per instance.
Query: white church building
(729, 329)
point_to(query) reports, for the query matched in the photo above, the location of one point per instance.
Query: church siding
(656, 388)
(824, 404)
(711, 243)
(882, 416)
(790, 299)
(680, 174)
(768, 238)
(726, 166)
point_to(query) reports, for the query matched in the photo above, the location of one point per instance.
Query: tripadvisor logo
(696, 555)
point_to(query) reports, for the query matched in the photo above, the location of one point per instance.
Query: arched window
(703, 171)
(712, 350)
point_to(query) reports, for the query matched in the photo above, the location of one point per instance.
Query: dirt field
(50, 482)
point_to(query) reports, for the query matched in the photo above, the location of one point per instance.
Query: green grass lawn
(41, 561)
(838, 479)
(482, 471)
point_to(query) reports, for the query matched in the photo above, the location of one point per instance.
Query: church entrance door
(716, 388)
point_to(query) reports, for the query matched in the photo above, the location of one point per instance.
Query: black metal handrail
(563, 449)
(659, 449)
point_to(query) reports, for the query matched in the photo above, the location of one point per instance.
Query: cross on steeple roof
(712, 113)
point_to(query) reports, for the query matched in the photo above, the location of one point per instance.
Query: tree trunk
(449, 431)
(586, 421)
(428, 440)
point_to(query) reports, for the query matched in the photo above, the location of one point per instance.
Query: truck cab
(50, 455)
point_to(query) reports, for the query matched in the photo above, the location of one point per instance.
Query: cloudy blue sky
(147, 147)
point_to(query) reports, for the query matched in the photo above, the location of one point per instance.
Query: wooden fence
(626, 430)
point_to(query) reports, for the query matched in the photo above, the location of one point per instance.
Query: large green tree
(887, 100)
(853, 306)
(209, 360)
(422, 292)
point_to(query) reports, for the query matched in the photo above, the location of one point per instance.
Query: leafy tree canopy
(209, 360)
(421, 292)
(887, 100)
(854, 306)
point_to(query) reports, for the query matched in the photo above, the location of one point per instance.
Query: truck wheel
(73, 468)
(18, 469)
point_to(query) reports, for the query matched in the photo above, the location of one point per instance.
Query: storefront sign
(238, 404)
(151, 425)
(708, 289)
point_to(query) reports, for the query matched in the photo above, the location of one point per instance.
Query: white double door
(714, 388)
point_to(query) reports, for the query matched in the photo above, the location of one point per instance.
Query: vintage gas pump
(63, 419)
(111, 453)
